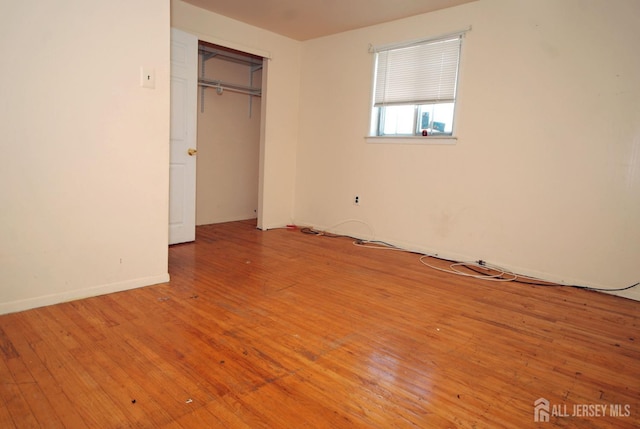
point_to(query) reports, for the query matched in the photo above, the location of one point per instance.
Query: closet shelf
(209, 52)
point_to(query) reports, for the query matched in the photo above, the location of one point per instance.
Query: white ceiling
(308, 19)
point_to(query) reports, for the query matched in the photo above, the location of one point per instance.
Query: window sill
(449, 140)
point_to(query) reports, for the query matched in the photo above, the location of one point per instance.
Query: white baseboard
(633, 293)
(57, 298)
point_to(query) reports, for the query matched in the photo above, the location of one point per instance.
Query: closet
(229, 114)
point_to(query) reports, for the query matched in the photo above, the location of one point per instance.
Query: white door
(182, 176)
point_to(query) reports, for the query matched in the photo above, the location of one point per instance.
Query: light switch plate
(147, 77)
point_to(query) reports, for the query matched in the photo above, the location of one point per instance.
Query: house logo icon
(541, 410)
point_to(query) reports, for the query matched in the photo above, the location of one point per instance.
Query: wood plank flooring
(281, 329)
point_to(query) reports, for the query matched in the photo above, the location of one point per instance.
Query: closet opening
(228, 134)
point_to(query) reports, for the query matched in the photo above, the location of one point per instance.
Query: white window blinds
(420, 73)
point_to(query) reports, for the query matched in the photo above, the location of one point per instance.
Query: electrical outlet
(356, 200)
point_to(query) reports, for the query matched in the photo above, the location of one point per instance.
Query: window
(415, 88)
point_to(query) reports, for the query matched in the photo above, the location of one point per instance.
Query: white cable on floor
(373, 234)
(452, 270)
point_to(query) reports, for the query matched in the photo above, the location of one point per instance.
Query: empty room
(330, 214)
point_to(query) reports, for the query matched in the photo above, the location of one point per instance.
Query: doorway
(228, 134)
(216, 133)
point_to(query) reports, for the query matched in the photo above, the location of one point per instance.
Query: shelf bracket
(220, 86)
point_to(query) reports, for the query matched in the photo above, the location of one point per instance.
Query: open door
(182, 176)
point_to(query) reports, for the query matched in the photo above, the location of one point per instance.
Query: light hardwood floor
(280, 329)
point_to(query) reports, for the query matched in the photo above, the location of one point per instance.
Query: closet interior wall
(228, 141)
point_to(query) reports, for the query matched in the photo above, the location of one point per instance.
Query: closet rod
(254, 92)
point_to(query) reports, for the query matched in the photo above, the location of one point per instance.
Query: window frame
(377, 118)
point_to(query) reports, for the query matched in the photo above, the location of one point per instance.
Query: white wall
(83, 200)
(545, 175)
(228, 147)
(280, 111)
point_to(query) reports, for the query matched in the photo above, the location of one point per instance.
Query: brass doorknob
(192, 151)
